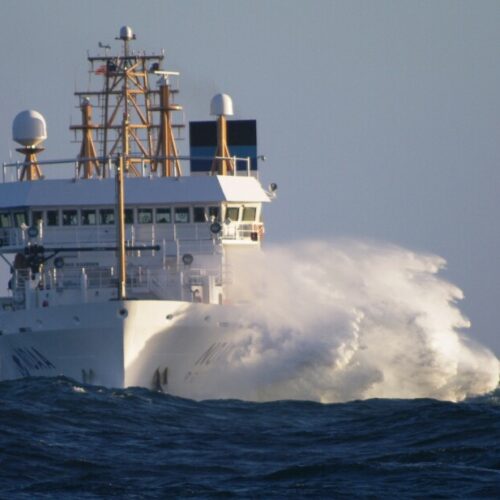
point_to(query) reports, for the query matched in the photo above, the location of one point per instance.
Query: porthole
(187, 259)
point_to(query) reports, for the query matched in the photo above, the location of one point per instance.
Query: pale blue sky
(379, 119)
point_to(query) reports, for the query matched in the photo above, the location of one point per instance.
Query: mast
(126, 91)
(31, 170)
(126, 129)
(222, 106)
(120, 228)
(87, 150)
(166, 145)
(123, 162)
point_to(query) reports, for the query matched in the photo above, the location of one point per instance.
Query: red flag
(101, 70)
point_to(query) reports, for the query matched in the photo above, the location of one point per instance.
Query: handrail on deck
(111, 162)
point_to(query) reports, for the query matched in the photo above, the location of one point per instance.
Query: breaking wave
(335, 322)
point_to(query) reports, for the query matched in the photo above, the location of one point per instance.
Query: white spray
(349, 320)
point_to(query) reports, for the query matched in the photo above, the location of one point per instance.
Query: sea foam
(348, 320)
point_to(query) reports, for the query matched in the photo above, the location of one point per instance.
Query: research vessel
(121, 274)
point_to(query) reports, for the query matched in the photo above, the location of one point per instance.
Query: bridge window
(20, 219)
(163, 216)
(89, 218)
(5, 220)
(249, 214)
(213, 213)
(181, 215)
(145, 215)
(70, 218)
(199, 214)
(129, 216)
(36, 217)
(107, 216)
(52, 217)
(233, 213)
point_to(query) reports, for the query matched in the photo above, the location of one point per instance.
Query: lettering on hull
(30, 361)
(216, 352)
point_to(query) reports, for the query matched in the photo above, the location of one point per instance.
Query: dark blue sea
(59, 439)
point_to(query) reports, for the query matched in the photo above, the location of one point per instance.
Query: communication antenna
(104, 46)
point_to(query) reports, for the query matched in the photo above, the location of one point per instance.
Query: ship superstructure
(129, 241)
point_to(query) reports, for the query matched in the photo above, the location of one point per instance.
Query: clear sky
(379, 119)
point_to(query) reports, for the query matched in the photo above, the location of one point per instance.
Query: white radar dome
(126, 33)
(221, 105)
(29, 128)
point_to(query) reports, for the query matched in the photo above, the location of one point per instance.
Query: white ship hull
(156, 344)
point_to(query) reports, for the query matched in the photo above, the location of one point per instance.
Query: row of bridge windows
(143, 215)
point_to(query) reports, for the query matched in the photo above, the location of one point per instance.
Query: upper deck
(69, 212)
(138, 190)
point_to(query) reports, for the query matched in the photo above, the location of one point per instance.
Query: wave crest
(350, 320)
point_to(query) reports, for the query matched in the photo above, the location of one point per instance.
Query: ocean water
(61, 439)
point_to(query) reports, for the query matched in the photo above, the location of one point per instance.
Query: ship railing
(173, 284)
(11, 171)
(243, 231)
(171, 236)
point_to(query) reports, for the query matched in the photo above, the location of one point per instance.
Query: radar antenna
(30, 130)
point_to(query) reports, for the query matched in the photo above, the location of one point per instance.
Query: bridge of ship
(176, 218)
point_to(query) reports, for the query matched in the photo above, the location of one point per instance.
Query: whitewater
(345, 320)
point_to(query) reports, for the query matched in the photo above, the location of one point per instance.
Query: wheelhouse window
(106, 216)
(145, 215)
(163, 216)
(70, 217)
(5, 220)
(129, 216)
(213, 213)
(233, 213)
(20, 219)
(181, 215)
(199, 214)
(52, 217)
(89, 217)
(36, 217)
(249, 214)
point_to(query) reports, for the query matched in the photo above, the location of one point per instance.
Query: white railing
(11, 171)
(197, 235)
(160, 282)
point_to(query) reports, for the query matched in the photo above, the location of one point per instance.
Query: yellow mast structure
(126, 131)
(126, 90)
(222, 106)
(31, 170)
(166, 150)
(88, 164)
(120, 228)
